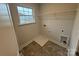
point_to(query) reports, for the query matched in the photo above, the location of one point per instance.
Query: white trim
(58, 43)
(12, 27)
(25, 44)
(71, 52)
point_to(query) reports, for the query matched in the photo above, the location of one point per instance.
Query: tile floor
(49, 49)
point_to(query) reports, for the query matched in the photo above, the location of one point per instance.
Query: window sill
(26, 24)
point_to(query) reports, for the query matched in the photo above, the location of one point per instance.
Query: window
(25, 15)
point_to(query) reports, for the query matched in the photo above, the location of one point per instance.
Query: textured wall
(57, 17)
(25, 32)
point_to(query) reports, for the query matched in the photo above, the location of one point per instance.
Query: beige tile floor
(49, 49)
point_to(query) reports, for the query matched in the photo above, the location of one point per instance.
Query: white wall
(57, 17)
(8, 41)
(75, 35)
(26, 32)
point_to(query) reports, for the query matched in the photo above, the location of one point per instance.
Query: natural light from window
(25, 15)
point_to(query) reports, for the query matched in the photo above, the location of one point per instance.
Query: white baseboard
(22, 46)
(71, 52)
(60, 44)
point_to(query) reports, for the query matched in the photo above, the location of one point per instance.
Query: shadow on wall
(77, 51)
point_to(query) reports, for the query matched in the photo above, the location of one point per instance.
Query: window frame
(33, 15)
